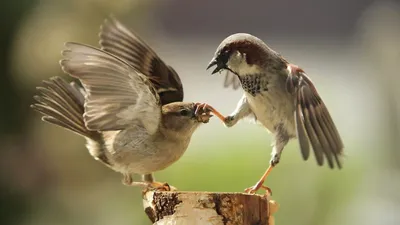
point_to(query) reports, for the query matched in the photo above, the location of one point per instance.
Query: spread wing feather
(231, 80)
(117, 96)
(118, 40)
(313, 122)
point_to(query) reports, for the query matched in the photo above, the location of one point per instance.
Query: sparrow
(279, 96)
(129, 108)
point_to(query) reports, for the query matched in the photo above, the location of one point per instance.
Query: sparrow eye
(184, 112)
(224, 56)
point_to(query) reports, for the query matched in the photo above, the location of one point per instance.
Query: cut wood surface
(198, 208)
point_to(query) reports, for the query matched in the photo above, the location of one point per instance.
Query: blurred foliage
(13, 203)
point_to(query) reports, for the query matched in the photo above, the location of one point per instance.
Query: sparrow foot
(207, 108)
(148, 186)
(268, 191)
(202, 112)
(259, 184)
(229, 121)
(154, 186)
(159, 186)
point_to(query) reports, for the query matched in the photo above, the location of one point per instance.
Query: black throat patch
(254, 84)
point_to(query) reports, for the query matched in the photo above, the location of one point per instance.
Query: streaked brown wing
(314, 123)
(231, 80)
(117, 96)
(118, 40)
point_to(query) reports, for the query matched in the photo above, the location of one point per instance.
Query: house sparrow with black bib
(279, 96)
(130, 108)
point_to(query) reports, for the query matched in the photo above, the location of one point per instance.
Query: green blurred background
(351, 50)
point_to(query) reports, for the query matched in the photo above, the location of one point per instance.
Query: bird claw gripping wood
(158, 186)
(252, 190)
(148, 186)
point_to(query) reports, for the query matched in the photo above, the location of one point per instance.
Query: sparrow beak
(214, 62)
(205, 118)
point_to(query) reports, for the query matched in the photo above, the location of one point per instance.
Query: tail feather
(67, 96)
(61, 104)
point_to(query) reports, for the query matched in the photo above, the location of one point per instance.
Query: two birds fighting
(129, 107)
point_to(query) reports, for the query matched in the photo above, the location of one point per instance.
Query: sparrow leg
(281, 140)
(205, 108)
(242, 110)
(149, 178)
(259, 184)
(127, 180)
(148, 183)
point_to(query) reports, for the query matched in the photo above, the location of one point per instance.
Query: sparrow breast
(269, 101)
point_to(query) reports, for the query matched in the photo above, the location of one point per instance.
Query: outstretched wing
(313, 122)
(117, 96)
(115, 38)
(231, 80)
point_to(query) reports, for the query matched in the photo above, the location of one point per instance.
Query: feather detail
(117, 96)
(313, 122)
(118, 40)
(231, 80)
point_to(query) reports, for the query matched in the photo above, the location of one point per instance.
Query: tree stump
(203, 208)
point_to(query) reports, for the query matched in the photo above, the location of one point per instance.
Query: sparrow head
(242, 54)
(183, 118)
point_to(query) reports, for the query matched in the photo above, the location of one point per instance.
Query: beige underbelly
(144, 155)
(272, 113)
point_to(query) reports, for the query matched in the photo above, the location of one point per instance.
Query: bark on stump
(203, 208)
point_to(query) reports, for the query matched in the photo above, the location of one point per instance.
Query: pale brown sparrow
(130, 108)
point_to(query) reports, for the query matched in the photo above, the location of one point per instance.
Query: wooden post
(203, 208)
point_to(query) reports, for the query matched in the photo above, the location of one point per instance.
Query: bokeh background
(351, 50)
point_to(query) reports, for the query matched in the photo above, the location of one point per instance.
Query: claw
(255, 188)
(157, 186)
(148, 186)
(207, 108)
(202, 112)
(196, 112)
(268, 191)
(259, 184)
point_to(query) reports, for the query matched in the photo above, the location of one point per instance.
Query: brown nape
(256, 51)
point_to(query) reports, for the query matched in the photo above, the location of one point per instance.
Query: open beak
(214, 62)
